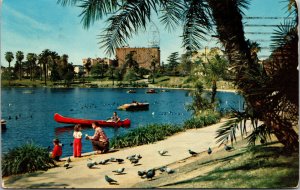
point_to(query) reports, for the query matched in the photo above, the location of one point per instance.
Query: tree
(153, 68)
(111, 72)
(9, 56)
(31, 58)
(127, 17)
(88, 65)
(20, 57)
(47, 58)
(99, 69)
(173, 62)
(130, 62)
(186, 64)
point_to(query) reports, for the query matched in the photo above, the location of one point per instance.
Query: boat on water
(61, 119)
(3, 124)
(151, 91)
(134, 106)
(131, 91)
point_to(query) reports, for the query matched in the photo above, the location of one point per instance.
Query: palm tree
(20, 57)
(9, 56)
(197, 16)
(88, 65)
(31, 58)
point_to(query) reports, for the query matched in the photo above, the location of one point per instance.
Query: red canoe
(61, 119)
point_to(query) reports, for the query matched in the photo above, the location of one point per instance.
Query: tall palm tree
(31, 58)
(20, 57)
(197, 16)
(9, 56)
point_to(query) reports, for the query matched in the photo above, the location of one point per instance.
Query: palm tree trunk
(213, 91)
(9, 73)
(20, 70)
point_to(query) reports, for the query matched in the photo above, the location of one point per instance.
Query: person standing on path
(77, 145)
(99, 141)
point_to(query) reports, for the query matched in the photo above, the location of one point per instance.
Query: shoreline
(93, 178)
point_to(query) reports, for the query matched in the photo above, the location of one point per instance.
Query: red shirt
(57, 151)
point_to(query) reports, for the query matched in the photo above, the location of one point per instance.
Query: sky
(31, 26)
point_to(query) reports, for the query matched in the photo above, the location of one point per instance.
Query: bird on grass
(228, 148)
(150, 174)
(103, 162)
(119, 171)
(193, 153)
(120, 160)
(141, 173)
(209, 151)
(110, 180)
(162, 152)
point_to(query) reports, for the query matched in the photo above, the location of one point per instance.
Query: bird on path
(193, 153)
(90, 165)
(139, 156)
(150, 174)
(169, 170)
(69, 159)
(141, 173)
(119, 171)
(120, 160)
(162, 169)
(130, 157)
(110, 180)
(67, 164)
(112, 159)
(209, 151)
(134, 161)
(103, 162)
(162, 152)
(227, 148)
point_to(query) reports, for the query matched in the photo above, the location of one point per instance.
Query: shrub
(145, 135)
(202, 120)
(26, 158)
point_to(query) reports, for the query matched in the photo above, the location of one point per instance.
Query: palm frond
(227, 131)
(68, 2)
(94, 10)
(283, 34)
(262, 132)
(132, 17)
(172, 13)
(196, 24)
(242, 4)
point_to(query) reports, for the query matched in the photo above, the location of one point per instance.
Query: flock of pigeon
(134, 160)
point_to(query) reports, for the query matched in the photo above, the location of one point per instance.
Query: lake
(29, 112)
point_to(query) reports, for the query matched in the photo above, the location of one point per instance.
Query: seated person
(115, 118)
(57, 150)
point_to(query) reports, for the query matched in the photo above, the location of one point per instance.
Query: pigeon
(110, 180)
(119, 171)
(162, 169)
(119, 160)
(141, 173)
(130, 157)
(90, 165)
(103, 162)
(209, 151)
(134, 161)
(150, 174)
(193, 153)
(162, 152)
(69, 159)
(67, 164)
(169, 170)
(227, 148)
(112, 159)
(95, 163)
(139, 156)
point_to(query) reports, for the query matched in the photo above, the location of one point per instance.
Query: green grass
(26, 158)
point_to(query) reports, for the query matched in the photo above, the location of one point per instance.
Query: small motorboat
(61, 119)
(165, 90)
(151, 91)
(131, 91)
(3, 124)
(134, 106)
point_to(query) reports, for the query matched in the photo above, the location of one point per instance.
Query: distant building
(78, 69)
(97, 60)
(143, 56)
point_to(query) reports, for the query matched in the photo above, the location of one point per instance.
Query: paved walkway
(80, 176)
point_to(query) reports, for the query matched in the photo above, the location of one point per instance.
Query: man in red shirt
(99, 141)
(57, 150)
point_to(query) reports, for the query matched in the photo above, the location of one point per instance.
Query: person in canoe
(57, 150)
(99, 141)
(115, 118)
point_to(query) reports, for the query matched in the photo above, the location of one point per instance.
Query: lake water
(32, 109)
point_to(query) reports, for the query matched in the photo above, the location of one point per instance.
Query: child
(57, 150)
(77, 141)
